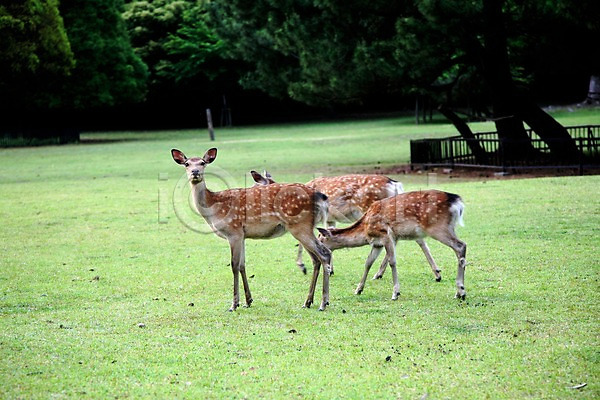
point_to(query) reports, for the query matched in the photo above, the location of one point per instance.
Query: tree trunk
(509, 109)
(464, 130)
(593, 96)
(515, 142)
(561, 144)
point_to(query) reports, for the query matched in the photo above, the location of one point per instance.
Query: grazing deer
(407, 216)
(261, 212)
(349, 198)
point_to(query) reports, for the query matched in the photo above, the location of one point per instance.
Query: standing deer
(407, 216)
(261, 212)
(349, 198)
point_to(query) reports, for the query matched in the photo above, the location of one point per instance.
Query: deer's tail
(321, 205)
(457, 208)
(394, 188)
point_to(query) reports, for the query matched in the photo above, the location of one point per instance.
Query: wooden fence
(455, 151)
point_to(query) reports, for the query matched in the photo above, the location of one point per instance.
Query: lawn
(105, 292)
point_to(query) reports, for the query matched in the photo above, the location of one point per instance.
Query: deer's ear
(258, 178)
(324, 232)
(178, 156)
(210, 155)
(267, 174)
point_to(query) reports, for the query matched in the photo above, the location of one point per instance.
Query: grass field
(105, 293)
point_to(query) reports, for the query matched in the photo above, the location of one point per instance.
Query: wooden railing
(455, 151)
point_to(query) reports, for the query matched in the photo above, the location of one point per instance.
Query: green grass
(84, 260)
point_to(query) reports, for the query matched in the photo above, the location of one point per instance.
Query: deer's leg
(331, 224)
(299, 261)
(244, 277)
(325, 295)
(430, 260)
(237, 247)
(320, 255)
(460, 248)
(313, 282)
(390, 249)
(461, 254)
(382, 268)
(375, 251)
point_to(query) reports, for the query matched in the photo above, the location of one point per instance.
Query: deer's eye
(187, 164)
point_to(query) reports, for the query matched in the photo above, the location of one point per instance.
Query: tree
(108, 72)
(194, 48)
(183, 57)
(332, 52)
(491, 36)
(318, 52)
(36, 55)
(150, 24)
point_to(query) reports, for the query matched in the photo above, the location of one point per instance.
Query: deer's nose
(195, 172)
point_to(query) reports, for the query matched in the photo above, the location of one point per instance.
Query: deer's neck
(352, 236)
(203, 198)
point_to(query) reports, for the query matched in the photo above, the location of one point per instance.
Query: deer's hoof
(461, 295)
(377, 276)
(302, 268)
(324, 304)
(395, 296)
(249, 303)
(438, 279)
(358, 291)
(307, 304)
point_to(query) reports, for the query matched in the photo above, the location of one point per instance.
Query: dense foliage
(184, 54)
(36, 53)
(318, 52)
(107, 72)
(337, 52)
(180, 50)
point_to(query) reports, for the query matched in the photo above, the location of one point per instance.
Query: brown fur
(260, 212)
(407, 216)
(350, 196)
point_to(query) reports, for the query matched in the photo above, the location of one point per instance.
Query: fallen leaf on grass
(581, 385)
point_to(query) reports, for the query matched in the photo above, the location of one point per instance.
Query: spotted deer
(349, 198)
(261, 212)
(407, 216)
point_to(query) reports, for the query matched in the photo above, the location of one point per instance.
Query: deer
(261, 212)
(406, 216)
(349, 198)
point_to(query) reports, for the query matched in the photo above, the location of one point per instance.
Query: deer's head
(194, 166)
(329, 238)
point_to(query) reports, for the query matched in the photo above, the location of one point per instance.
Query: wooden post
(417, 111)
(211, 131)
(225, 113)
